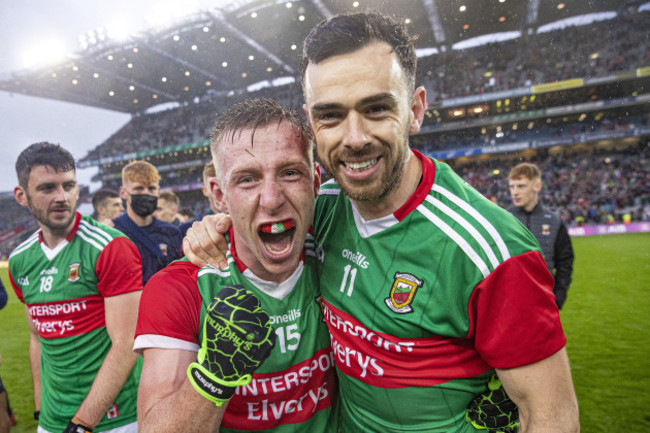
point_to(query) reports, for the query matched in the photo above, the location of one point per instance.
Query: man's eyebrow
(380, 97)
(326, 106)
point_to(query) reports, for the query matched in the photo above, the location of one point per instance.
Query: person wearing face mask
(159, 242)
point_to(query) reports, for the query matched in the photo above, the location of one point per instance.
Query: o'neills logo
(356, 258)
(228, 334)
(402, 293)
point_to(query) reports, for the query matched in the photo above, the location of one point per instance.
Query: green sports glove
(493, 411)
(237, 338)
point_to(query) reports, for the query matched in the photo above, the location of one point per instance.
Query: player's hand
(493, 411)
(77, 428)
(237, 338)
(205, 242)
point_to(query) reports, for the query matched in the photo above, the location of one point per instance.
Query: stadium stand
(571, 98)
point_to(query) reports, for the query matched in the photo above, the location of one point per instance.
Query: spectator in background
(108, 206)
(167, 209)
(525, 183)
(7, 417)
(208, 173)
(80, 282)
(159, 242)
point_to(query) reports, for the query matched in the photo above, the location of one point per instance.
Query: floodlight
(45, 52)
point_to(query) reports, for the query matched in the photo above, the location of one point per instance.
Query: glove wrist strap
(210, 386)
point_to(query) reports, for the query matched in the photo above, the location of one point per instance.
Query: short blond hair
(140, 171)
(527, 170)
(209, 171)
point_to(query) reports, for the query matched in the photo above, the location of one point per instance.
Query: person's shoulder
(329, 189)
(88, 225)
(178, 269)
(24, 246)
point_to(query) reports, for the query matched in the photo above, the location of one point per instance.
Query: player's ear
(21, 196)
(123, 194)
(218, 195)
(418, 107)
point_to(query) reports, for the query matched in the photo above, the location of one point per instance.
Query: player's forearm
(565, 421)
(182, 410)
(107, 384)
(35, 363)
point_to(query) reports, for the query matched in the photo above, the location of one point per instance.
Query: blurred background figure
(167, 209)
(208, 173)
(108, 205)
(525, 183)
(7, 417)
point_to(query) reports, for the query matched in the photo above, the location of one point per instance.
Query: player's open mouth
(360, 166)
(277, 237)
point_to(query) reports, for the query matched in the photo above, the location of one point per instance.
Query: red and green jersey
(423, 304)
(294, 390)
(64, 290)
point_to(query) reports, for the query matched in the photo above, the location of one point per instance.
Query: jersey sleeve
(119, 268)
(170, 308)
(19, 293)
(513, 316)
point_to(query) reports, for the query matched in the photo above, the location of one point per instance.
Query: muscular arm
(544, 394)
(34, 360)
(167, 402)
(121, 314)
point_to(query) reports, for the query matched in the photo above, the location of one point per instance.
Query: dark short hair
(346, 33)
(254, 113)
(43, 153)
(101, 195)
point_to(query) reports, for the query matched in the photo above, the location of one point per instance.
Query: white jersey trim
(467, 226)
(462, 243)
(503, 249)
(51, 253)
(369, 228)
(129, 428)
(275, 290)
(26, 244)
(101, 235)
(154, 341)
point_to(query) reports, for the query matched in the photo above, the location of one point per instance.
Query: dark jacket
(553, 237)
(164, 245)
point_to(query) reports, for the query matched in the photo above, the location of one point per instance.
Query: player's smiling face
(269, 187)
(360, 108)
(51, 197)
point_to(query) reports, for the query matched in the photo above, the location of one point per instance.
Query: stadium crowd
(586, 188)
(533, 59)
(607, 46)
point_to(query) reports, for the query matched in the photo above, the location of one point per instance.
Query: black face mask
(143, 204)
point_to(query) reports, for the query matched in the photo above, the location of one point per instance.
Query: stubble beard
(42, 217)
(364, 191)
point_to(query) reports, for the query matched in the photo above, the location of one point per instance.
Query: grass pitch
(606, 319)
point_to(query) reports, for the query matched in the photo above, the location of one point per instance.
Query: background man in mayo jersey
(81, 282)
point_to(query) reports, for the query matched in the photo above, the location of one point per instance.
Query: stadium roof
(242, 43)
